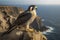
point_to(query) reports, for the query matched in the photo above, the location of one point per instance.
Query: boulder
(8, 15)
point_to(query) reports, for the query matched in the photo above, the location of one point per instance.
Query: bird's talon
(31, 30)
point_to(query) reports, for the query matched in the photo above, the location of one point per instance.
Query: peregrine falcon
(26, 18)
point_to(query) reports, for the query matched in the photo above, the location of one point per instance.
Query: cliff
(8, 15)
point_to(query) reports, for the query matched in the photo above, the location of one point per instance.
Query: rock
(9, 15)
(38, 24)
(23, 34)
(13, 12)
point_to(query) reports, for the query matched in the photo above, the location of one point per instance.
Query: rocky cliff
(8, 15)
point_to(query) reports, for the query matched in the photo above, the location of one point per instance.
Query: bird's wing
(23, 18)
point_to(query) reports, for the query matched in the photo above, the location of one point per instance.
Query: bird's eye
(31, 8)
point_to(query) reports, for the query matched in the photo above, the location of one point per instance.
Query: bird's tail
(10, 30)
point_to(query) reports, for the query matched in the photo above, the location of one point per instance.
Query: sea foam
(48, 30)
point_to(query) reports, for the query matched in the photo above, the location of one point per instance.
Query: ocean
(51, 18)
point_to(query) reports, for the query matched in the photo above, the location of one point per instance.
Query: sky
(40, 2)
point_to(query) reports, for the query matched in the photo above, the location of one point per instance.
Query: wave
(48, 31)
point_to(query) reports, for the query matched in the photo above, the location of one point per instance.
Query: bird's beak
(36, 7)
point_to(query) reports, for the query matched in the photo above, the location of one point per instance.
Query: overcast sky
(44, 2)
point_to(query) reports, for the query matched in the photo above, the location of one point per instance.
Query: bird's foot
(30, 29)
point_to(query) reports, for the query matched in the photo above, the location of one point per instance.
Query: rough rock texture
(8, 15)
(38, 24)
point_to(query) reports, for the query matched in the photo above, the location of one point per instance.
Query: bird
(27, 17)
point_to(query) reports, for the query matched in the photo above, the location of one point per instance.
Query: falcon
(27, 17)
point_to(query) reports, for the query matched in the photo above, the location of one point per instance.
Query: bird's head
(32, 7)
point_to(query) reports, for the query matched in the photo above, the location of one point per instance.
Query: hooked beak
(36, 7)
